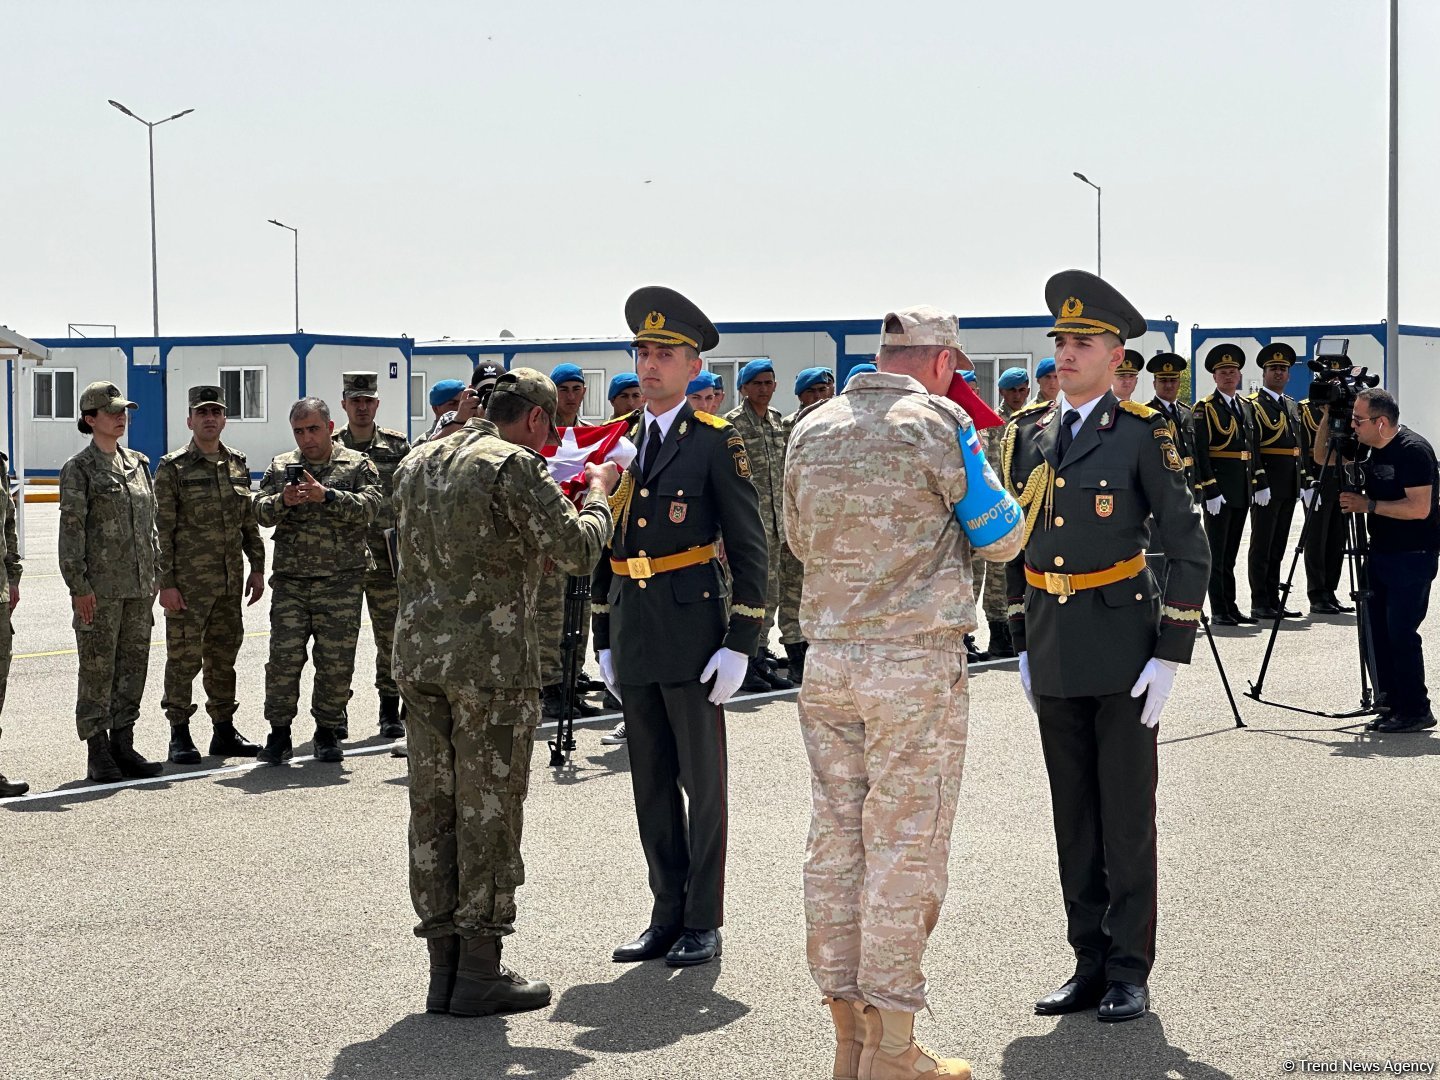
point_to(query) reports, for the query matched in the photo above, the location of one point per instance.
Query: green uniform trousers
(114, 653)
(326, 609)
(382, 598)
(204, 638)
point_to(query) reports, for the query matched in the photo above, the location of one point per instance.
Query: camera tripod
(1357, 552)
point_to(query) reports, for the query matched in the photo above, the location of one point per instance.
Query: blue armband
(987, 512)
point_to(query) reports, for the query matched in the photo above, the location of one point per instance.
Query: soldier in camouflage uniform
(479, 516)
(385, 448)
(812, 386)
(322, 554)
(10, 570)
(108, 555)
(206, 523)
(874, 486)
(761, 428)
(1014, 385)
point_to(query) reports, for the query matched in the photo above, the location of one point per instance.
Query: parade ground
(228, 920)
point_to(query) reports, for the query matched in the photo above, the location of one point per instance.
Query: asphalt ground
(256, 922)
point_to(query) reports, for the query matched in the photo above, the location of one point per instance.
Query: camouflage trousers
(382, 598)
(470, 753)
(885, 729)
(792, 581)
(114, 653)
(326, 609)
(992, 595)
(773, 548)
(7, 638)
(550, 623)
(205, 637)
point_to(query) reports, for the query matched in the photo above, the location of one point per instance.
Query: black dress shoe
(653, 943)
(1291, 613)
(1345, 609)
(1124, 1001)
(694, 947)
(1324, 607)
(1222, 620)
(1081, 992)
(1393, 724)
(1265, 614)
(1241, 618)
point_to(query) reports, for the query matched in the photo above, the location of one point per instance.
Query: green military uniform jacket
(322, 539)
(1218, 430)
(10, 565)
(1182, 430)
(206, 522)
(386, 448)
(1281, 441)
(108, 540)
(765, 446)
(666, 628)
(1085, 515)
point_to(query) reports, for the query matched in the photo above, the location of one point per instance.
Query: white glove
(728, 667)
(1155, 683)
(607, 672)
(1307, 496)
(1262, 497)
(1212, 506)
(1025, 680)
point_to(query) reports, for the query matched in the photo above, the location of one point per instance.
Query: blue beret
(1045, 367)
(620, 383)
(702, 382)
(812, 376)
(859, 369)
(968, 376)
(1013, 377)
(445, 390)
(567, 373)
(754, 368)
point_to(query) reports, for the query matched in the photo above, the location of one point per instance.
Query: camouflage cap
(361, 384)
(535, 387)
(207, 395)
(921, 325)
(106, 396)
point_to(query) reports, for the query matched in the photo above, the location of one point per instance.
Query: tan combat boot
(891, 1052)
(849, 1036)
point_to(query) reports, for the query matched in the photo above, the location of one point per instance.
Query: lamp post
(296, 231)
(1392, 254)
(1082, 177)
(154, 264)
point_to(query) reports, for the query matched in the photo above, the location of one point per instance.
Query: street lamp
(297, 267)
(1082, 177)
(154, 266)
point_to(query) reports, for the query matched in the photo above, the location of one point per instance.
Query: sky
(456, 169)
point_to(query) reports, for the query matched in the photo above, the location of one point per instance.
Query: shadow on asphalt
(1362, 745)
(613, 761)
(451, 1048)
(78, 791)
(267, 778)
(1079, 1045)
(648, 1007)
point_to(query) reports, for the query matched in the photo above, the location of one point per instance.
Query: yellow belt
(1238, 455)
(1069, 584)
(1280, 451)
(643, 567)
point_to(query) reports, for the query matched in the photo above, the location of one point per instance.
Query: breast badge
(677, 513)
(1104, 505)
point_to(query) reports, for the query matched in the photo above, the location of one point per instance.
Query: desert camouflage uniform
(321, 558)
(992, 596)
(10, 571)
(765, 447)
(386, 448)
(206, 523)
(109, 547)
(478, 517)
(870, 487)
(792, 570)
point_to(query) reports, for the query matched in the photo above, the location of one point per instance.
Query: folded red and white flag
(581, 445)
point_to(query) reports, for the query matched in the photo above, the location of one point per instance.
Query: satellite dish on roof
(506, 334)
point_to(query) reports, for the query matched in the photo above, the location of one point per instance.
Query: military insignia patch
(1104, 505)
(1171, 456)
(742, 464)
(677, 513)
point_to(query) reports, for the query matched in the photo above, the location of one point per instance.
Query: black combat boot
(444, 957)
(182, 747)
(130, 761)
(10, 789)
(390, 725)
(342, 729)
(972, 650)
(770, 658)
(552, 703)
(484, 986)
(1001, 647)
(755, 680)
(327, 744)
(100, 764)
(796, 653)
(225, 741)
(277, 746)
(772, 676)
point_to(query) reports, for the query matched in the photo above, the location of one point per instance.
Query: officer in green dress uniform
(669, 646)
(1122, 383)
(1230, 473)
(1284, 455)
(1165, 369)
(1325, 531)
(1099, 644)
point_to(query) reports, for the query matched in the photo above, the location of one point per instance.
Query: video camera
(1337, 383)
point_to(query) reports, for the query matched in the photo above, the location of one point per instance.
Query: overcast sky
(459, 168)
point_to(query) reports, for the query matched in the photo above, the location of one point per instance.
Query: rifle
(572, 637)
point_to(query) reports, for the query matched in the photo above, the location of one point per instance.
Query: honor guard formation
(874, 527)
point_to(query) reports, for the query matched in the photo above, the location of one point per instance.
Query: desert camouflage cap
(361, 384)
(207, 395)
(104, 395)
(535, 387)
(921, 325)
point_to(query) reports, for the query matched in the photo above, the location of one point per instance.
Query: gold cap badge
(654, 321)
(1072, 308)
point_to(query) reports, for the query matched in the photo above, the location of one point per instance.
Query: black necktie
(1067, 422)
(652, 449)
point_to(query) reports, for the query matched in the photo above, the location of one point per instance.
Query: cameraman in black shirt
(1399, 498)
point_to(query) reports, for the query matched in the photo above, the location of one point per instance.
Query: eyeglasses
(1363, 419)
